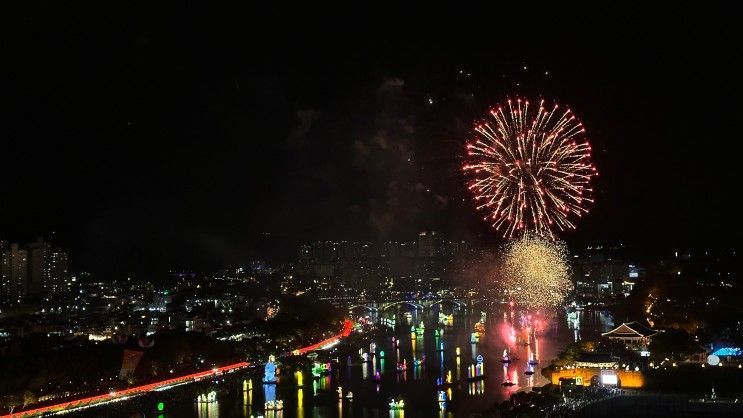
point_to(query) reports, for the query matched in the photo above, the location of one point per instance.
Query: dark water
(540, 334)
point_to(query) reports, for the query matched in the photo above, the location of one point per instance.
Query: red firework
(530, 168)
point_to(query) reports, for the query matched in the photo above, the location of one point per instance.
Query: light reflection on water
(540, 338)
(207, 410)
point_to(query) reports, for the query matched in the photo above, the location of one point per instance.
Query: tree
(673, 345)
(11, 401)
(616, 348)
(568, 356)
(29, 398)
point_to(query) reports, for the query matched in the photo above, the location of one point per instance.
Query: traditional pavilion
(633, 334)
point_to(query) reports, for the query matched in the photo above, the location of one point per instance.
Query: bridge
(131, 392)
(417, 304)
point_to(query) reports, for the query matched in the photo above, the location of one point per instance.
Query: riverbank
(122, 395)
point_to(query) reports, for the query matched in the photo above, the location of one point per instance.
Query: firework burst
(530, 168)
(536, 271)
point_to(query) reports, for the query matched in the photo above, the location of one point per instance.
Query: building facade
(14, 274)
(35, 272)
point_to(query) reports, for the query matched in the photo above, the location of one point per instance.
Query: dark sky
(152, 137)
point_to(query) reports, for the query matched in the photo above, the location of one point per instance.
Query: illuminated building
(48, 268)
(14, 274)
(587, 376)
(597, 369)
(32, 272)
(604, 272)
(59, 270)
(633, 334)
(39, 267)
(596, 360)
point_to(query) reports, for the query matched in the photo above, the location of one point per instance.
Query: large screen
(609, 379)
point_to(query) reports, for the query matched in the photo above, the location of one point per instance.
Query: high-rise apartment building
(37, 271)
(428, 244)
(14, 273)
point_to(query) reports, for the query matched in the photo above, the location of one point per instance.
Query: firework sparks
(530, 168)
(536, 271)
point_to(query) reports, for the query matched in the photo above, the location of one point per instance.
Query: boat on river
(506, 358)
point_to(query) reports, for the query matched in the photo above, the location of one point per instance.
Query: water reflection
(208, 410)
(269, 393)
(400, 413)
(247, 403)
(207, 405)
(325, 382)
(459, 369)
(436, 359)
(300, 403)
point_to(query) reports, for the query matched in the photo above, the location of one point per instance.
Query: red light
(133, 390)
(345, 332)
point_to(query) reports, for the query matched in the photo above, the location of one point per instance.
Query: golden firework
(536, 272)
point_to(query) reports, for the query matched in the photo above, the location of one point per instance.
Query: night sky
(154, 137)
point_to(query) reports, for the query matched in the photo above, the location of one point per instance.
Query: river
(524, 335)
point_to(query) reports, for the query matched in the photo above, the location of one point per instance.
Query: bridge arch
(455, 302)
(366, 307)
(414, 305)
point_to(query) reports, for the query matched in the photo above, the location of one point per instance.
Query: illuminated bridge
(417, 304)
(124, 394)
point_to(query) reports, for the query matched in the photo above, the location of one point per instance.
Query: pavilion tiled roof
(631, 329)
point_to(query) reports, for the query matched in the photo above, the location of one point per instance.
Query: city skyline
(167, 144)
